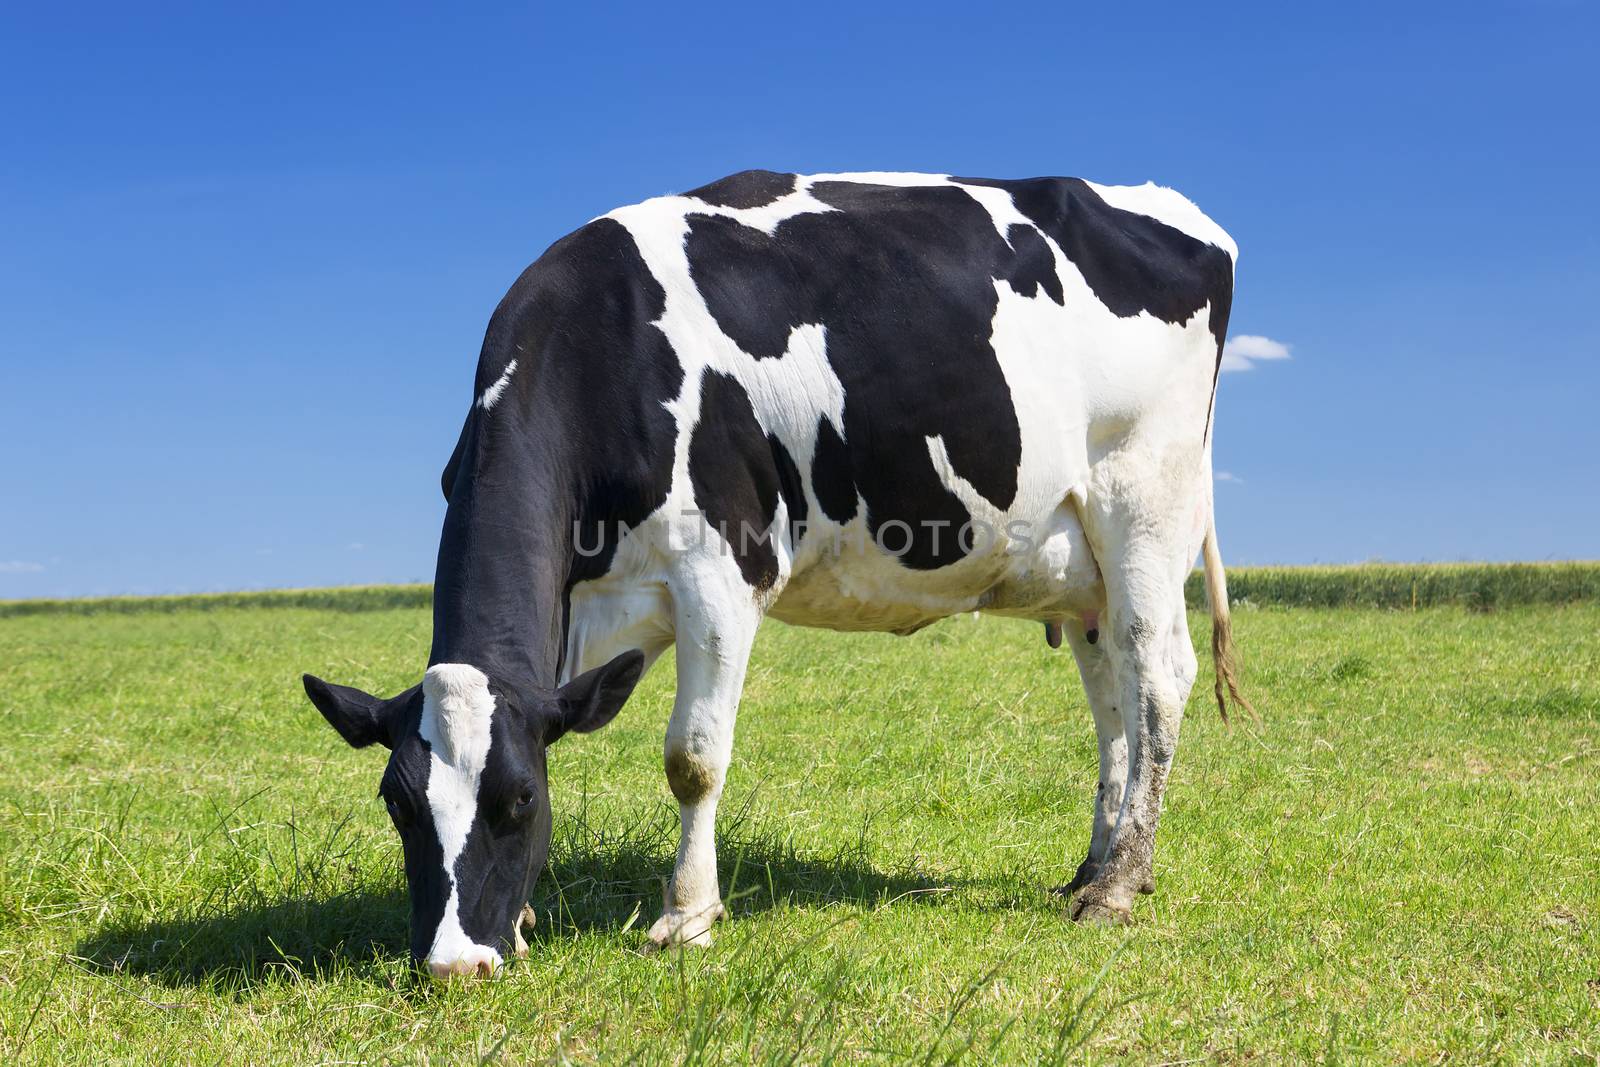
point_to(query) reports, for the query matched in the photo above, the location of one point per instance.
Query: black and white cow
(857, 401)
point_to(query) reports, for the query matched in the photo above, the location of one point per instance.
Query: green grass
(1399, 865)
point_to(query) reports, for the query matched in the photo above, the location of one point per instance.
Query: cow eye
(396, 813)
(525, 800)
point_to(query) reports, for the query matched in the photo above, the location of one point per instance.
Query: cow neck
(504, 561)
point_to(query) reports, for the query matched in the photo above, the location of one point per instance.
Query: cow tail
(1223, 654)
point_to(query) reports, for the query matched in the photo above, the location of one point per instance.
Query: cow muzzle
(478, 961)
(475, 962)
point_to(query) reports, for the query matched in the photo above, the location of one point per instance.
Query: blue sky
(248, 256)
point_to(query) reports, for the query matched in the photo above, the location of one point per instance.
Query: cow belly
(1034, 568)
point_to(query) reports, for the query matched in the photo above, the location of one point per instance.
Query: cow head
(467, 791)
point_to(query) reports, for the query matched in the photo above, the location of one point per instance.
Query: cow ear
(593, 698)
(360, 718)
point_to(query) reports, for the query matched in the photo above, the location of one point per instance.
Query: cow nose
(476, 964)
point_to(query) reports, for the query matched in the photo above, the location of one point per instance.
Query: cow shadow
(597, 888)
(231, 946)
(593, 885)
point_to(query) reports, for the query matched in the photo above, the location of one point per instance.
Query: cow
(861, 401)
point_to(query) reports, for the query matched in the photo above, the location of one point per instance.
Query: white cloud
(356, 546)
(1226, 476)
(20, 566)
(1248, 349)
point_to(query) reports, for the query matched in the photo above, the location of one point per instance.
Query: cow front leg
(715, 629)
(1099, 684)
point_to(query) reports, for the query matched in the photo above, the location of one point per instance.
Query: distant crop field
(1368, 585)
(1484, 586)
(1398, 864)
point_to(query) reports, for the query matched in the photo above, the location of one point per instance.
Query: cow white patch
(1168, 206)
(457, 708)
(491, 395)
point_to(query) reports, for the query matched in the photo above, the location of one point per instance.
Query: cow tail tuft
(1223, 654)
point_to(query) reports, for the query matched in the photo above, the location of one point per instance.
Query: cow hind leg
(1152, 665)
(1183, 665)
(1099, 683)
(715, 618)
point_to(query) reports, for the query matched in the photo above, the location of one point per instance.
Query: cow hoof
(680, 929)
(1086, 874)
(525, 921)
(1100, 913)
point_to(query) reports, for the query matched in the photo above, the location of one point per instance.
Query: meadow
(1398, 863)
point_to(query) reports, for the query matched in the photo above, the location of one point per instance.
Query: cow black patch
(1132, 262)
(830, 474)
(748, 188)
(1034, 267)
(791, 488)
(735, 477)
(902, 280)
(757, 294)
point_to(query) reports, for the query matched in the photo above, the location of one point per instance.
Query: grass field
(1400, 864)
